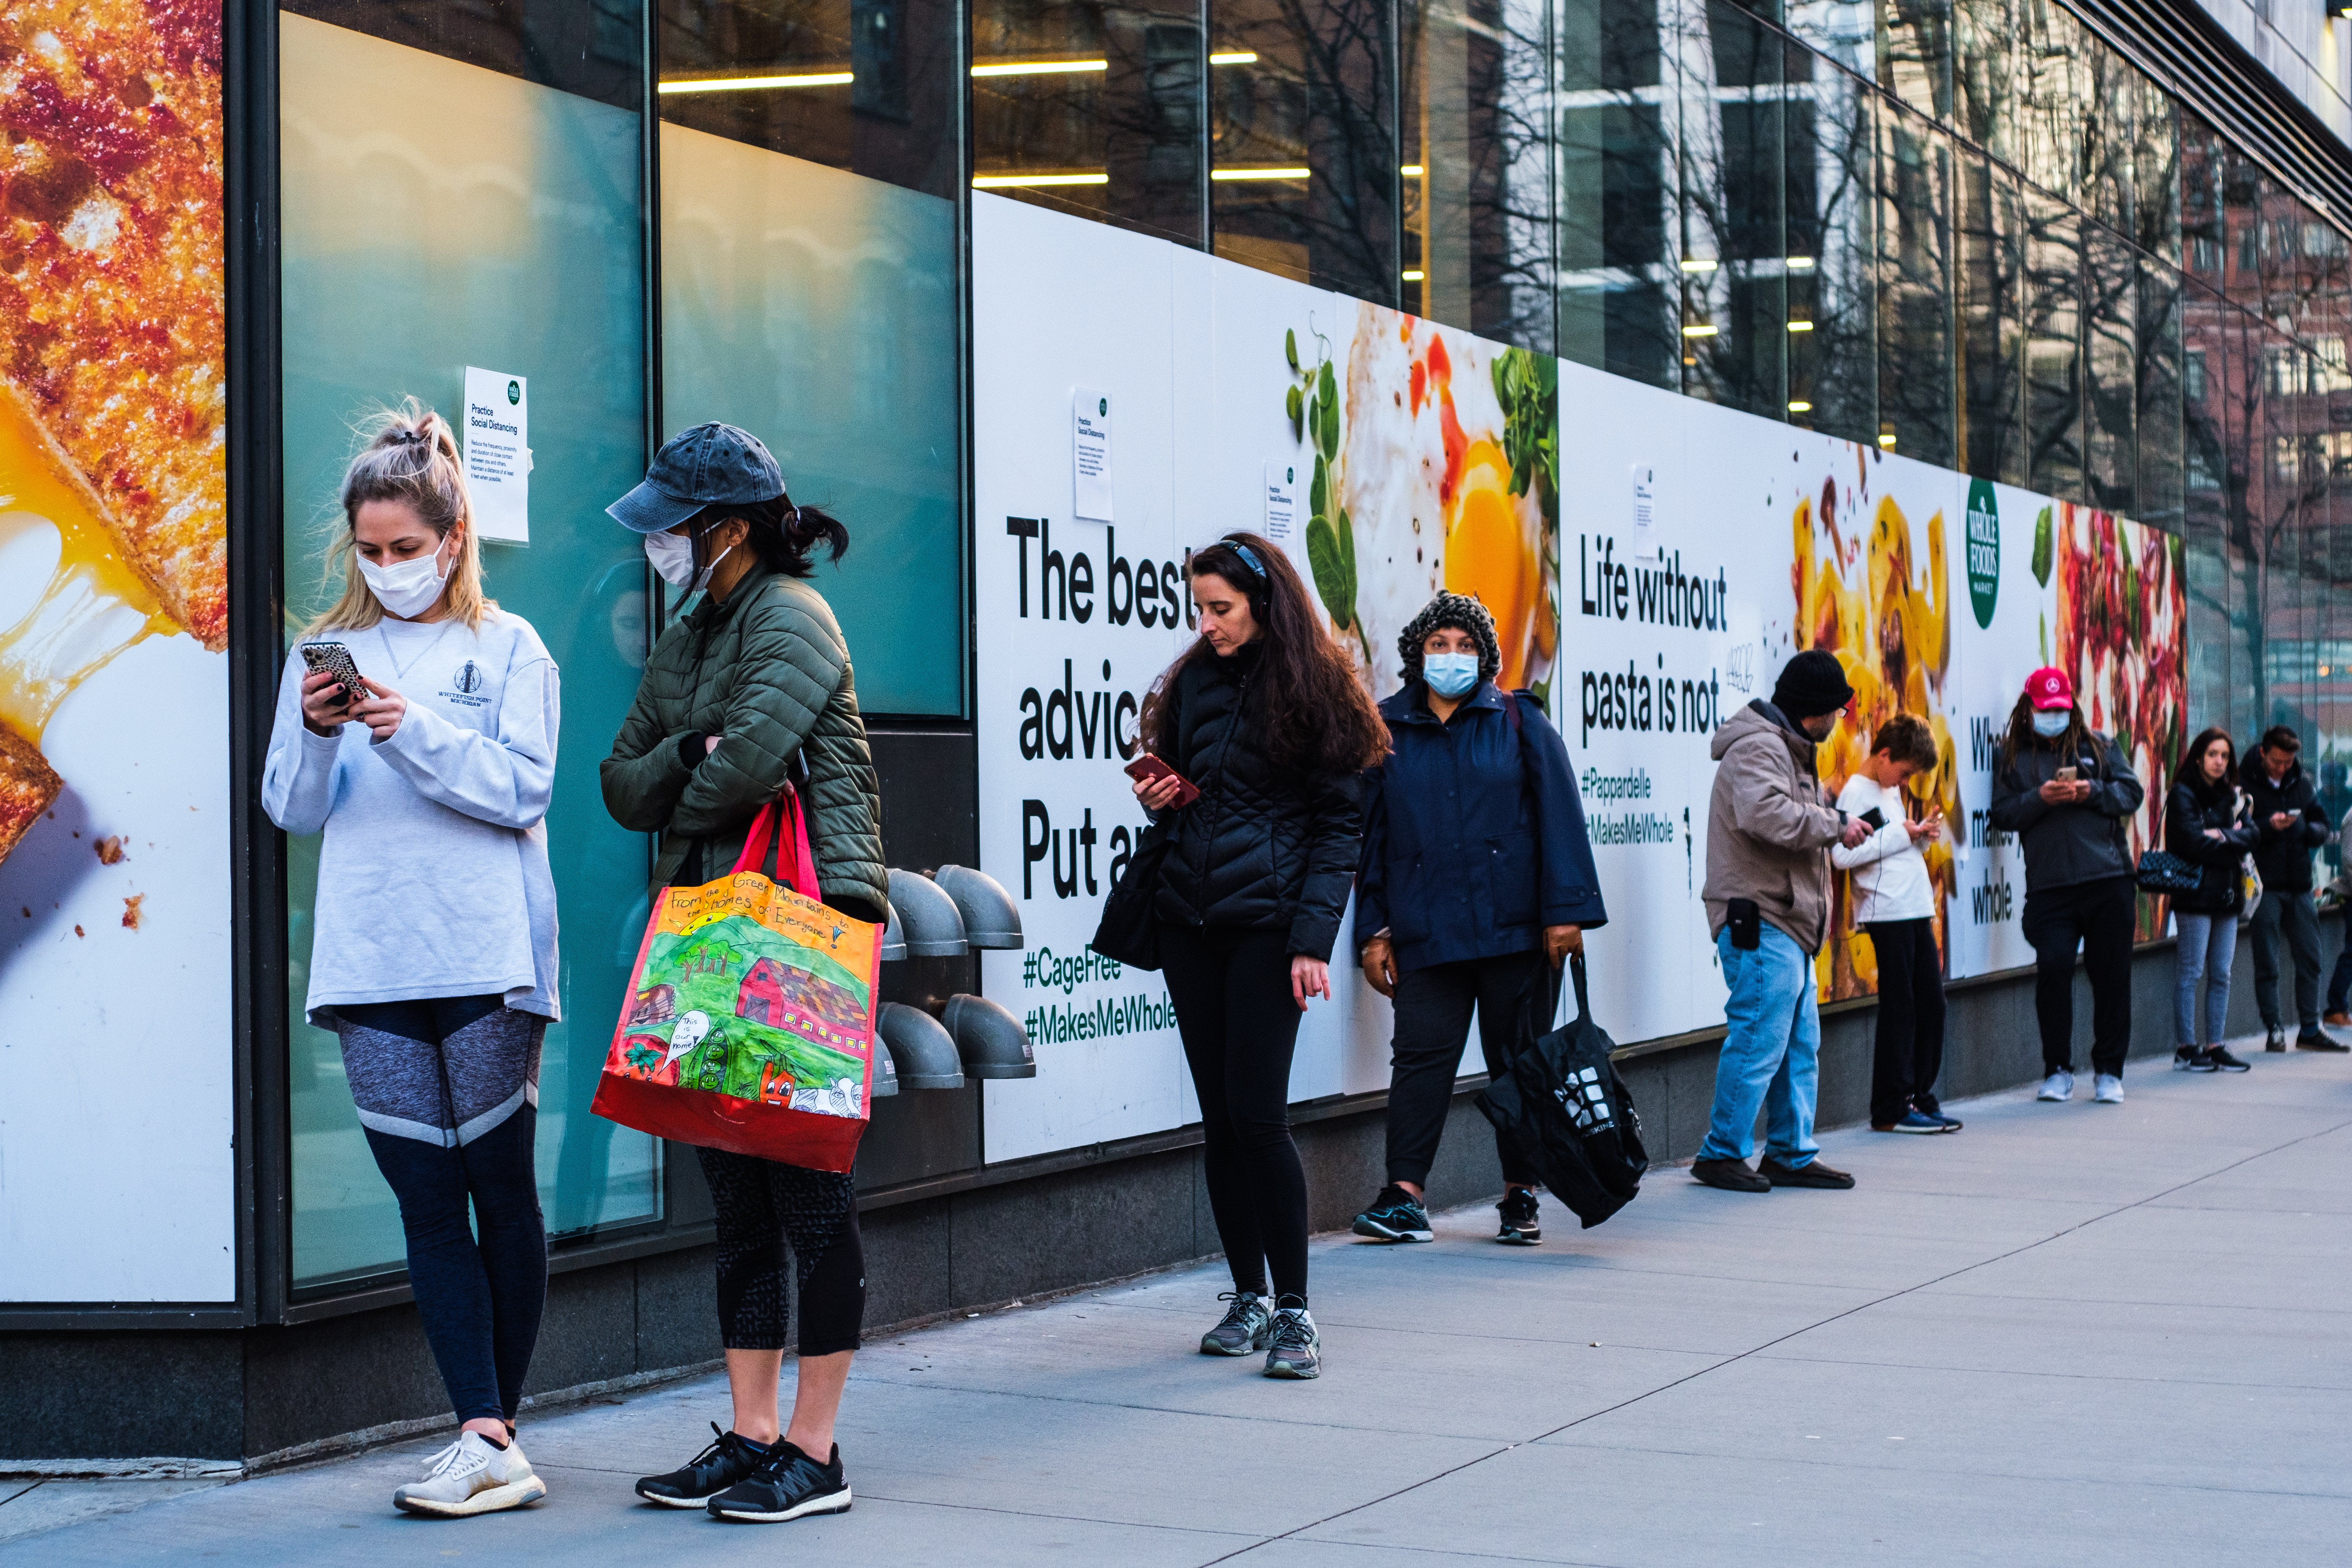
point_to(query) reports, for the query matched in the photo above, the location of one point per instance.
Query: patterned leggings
(761, 1206)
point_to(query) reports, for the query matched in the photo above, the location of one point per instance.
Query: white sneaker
(2057, 1085)
(470, 1476)
(2107, 1090)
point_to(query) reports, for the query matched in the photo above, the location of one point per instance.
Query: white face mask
(407, 588)
(2051, 722)
(673, 556)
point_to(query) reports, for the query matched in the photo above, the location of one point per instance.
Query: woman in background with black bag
(2202, 827)
(1260, 735)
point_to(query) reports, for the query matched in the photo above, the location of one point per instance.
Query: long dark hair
(2077, 737)
(784, 536)
(2192, 773)
(1312, 717)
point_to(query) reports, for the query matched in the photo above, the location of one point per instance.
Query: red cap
(2050, 689)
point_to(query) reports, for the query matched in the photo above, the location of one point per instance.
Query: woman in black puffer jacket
(2202, 825)
(1264, 714)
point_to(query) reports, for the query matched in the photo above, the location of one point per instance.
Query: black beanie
(1812, 684)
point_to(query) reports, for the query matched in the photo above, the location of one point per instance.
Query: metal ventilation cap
(926, 916)
(894, 940)
(990, 919)
(992, 1040)
(923, 1052)
(886, 1071)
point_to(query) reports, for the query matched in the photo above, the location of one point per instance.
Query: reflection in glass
(1832, 268)
(1915, 298)
(1734, 241)
(1988, 75)
(2110, 363)
(1304, 172)
(1618, 278)
(2205, 504)
(2156, 171)
(1915, 54)
(1095, 109)
(2054, 345)
(2162, 475)
(2055, 101)
(1992, 321)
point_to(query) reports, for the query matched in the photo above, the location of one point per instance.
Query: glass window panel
(592, 47)
(2204, 231)
(1734, 162)
(2054, 345)
(2242, 230)
(1477, 108)
(2157, 344)
(864, 85)
(1304, 172)
(2205, 438)
(2056, 81)
(1992, 320)
(1915, 416)
(1619, 293)
(1915, 54)
(2109, 136)
(1989, 73)
(2110, 378)
(1830, 196)
(2156, 171)
(1095, 109)
(1843, 31)
(377, 303)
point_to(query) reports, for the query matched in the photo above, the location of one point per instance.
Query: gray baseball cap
(708, 465)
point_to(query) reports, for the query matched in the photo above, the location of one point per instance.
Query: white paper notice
(497, 453)
(1090, 454)
(1646, 498)
(1281, 501)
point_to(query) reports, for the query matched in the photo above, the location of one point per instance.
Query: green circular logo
(1984, 551)
(514, 392)
(1102, 406)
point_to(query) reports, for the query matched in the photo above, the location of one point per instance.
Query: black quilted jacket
(1254, 850)
(768, 672)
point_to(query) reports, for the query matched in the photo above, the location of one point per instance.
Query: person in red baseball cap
(2065, 790)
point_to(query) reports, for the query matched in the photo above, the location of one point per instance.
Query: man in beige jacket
(1770, 824)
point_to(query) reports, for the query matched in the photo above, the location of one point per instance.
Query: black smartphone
(334, 658)
(1875, 817)
(1746, 924)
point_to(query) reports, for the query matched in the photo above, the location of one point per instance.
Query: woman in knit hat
(1476, 883)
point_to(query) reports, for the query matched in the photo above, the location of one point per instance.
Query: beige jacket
(1769, 828)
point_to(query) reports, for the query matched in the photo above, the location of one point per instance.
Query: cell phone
(334, 658)
(2066, 775)
(1744, 921)
(1876, 818)
(1147, 768)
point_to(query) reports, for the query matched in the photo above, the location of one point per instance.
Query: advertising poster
(115, 965)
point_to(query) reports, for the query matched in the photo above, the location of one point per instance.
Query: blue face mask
(2049, 723)
(1450, 674)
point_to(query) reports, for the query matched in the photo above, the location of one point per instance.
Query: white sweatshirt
(1890, 875)
(432, 877)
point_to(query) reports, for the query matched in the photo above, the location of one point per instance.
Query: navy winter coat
(1474, 834)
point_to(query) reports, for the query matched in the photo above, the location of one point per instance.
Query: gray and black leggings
(763, 1206)
(447, 1090)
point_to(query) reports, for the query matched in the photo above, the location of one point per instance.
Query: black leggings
(1234, 1010)
(1910, 1019)
(2097, 917)
(447, 1093)
(1514, 996)
(761, 1206)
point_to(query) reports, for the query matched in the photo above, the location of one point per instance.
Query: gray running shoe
(1246, 1326)
(471, 1477)
(1297, 1350)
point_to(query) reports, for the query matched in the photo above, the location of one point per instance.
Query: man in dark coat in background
(2287, 810)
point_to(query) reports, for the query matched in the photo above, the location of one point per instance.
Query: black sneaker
(788, 1486)
(1297, 1350)
(2276, 1040)
(732, 1458)
(2218, 1059)
(2318, 1040)
(1395, 1217)
(1812, 1174)
(2191, 1058)
(1247, 1324)
(1522, 1218)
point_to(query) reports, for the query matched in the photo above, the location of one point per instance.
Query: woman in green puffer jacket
(747, 692)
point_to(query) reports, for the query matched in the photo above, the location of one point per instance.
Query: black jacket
(1256, 850)
(2283, 857)
(2187, 816)
(1474, 836)
(2082, 841)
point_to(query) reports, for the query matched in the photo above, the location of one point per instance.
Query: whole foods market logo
(1984, 551)
(514, 392)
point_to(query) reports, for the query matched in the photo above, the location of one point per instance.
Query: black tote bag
(1129, 931)
(1565, 1106)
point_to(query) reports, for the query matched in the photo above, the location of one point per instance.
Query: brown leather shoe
(1731, 1175)
(2338, 1019)
(1812, 1174)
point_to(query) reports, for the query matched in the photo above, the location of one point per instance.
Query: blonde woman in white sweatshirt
(1895, 904)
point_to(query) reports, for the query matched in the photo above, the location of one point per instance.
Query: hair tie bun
(406, 437)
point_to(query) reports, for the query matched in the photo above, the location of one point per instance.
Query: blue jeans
(1772, 1055)
(2206, 943)
(2339, 984)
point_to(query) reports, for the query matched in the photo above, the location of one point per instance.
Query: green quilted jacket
(767, 671)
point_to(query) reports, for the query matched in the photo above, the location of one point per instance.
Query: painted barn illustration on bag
(809, 1005)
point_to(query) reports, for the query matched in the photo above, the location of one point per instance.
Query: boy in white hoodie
(1895, 902)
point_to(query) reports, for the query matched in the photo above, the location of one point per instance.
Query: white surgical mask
(673, 556)
(407, 588)
(2051, 722)
(1450, 674)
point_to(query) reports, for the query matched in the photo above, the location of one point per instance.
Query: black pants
(448, 1094)
(2097, 917)
(761, 1206)
(1240, 1025)
(1910, 1019)
(2289, 916)
(1514, 996)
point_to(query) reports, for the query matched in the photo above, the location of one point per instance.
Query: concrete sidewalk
(2073, 1334)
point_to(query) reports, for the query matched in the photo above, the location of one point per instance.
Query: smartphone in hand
(334, 658)
(1146, 769)
(2066, 776)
